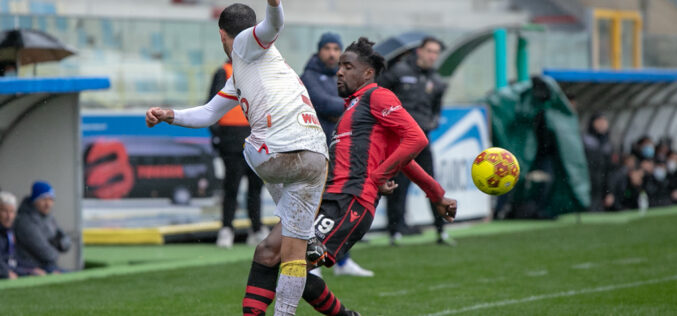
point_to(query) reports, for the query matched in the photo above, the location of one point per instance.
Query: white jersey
(271, 94)
(273, 98)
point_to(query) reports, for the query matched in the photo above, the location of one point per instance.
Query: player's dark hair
(430, 39)
(236, 18)
(365, 53)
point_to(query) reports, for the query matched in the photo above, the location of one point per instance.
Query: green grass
(612, 264)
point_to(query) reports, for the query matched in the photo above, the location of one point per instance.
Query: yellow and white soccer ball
(495, 171)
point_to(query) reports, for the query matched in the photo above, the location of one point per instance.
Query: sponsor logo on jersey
(352, 103)
(392, 109)
(308, 119)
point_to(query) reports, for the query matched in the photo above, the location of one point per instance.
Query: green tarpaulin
(524, 115)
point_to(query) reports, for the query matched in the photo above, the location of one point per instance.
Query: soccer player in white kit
(286, 148)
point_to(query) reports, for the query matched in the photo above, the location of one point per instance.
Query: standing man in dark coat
(416, 83)
(598, 151)
(319, 77)
(228, 136)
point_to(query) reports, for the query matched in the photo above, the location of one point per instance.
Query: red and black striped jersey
(374, 139)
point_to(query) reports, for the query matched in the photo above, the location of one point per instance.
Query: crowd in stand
(30, 239)
(644, 177)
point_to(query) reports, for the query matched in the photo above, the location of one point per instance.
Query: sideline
(213, 255)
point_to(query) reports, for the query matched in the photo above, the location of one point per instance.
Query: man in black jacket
(598, 151)
(416, 83)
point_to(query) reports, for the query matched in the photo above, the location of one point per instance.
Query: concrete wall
(45, 145)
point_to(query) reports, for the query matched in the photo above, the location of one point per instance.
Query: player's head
(428, 52)
(234, 19)
(329, 49)
(358, 66)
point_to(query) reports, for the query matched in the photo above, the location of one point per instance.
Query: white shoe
(352, 268)
(225, 239)
(316, 272)
(255, 238)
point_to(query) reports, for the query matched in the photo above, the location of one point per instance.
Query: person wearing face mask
(655, 183)
(644, 148)
(598, 151)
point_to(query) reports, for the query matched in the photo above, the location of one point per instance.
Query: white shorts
(296, 181)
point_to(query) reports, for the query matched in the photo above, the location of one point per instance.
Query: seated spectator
(671, 166)
(663, 149)
(644, 148)
(631, 192)
(657, 185)
(618, 182)
(10, 267)
(39, 237)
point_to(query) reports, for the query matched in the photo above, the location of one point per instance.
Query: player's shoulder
(242, 37)
(242, 40)
(383, 95)
(383, 100)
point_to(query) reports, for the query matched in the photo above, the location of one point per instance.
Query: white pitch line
(442, 286)
(630, 261)
(553, 295)
(430, 288)
(395, 293)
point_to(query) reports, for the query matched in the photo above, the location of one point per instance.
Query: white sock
(290, 287)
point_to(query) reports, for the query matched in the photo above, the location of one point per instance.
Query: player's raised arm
(267, 30)
(196, 117)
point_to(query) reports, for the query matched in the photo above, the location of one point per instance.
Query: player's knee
(267, 254)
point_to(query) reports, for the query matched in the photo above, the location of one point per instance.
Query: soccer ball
(495, 171)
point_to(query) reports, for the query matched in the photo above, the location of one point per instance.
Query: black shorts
(340, 223)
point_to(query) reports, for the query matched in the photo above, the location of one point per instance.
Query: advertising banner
(125, 160)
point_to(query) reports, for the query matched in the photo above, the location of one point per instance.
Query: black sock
(318, 295)
(260, 289)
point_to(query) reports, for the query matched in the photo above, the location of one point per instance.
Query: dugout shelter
(40, 140)
(636, 102)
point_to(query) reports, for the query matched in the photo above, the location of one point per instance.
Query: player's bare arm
(273, 3)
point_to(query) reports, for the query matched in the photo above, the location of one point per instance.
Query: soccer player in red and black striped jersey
(374, 139)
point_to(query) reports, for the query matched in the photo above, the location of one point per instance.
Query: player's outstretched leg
(320, 297)
(263, 275)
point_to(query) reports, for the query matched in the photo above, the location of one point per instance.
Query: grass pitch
(611, 264)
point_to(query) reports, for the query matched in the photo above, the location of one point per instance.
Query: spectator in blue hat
(319, 77)
(39, 237)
